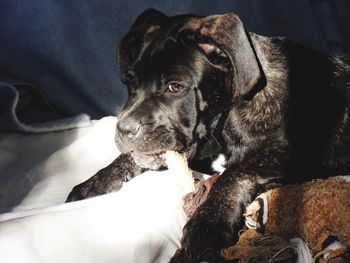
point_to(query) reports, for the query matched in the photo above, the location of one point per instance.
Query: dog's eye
(174, 87)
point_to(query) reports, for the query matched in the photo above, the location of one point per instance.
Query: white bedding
(141, 223)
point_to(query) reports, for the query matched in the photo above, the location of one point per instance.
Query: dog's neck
(292, 79)
(243, 123)
(251, 121)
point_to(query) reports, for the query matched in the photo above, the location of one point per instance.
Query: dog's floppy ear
(144, 29)
(223, 36)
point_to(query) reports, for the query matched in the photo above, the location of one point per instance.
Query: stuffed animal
(303, 223)
(318, 212)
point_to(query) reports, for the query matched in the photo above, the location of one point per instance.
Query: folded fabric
(38, 170)
(26, 110)
(141, 223)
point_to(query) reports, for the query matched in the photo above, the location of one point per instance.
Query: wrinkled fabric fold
(12, 103)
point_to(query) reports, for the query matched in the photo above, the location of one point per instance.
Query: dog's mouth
(188, 152)
(156, 154)
(156, 160)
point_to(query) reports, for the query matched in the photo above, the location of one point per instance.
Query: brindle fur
(276, 109)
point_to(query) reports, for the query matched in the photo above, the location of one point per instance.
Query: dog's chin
(149, 161)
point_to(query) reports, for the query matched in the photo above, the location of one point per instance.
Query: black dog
(204, 86)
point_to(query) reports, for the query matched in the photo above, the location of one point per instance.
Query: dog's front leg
(109, 179)
(216, 224)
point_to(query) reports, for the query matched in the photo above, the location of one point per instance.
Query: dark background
(67, 49)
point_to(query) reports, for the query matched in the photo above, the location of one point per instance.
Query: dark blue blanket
(58, 58)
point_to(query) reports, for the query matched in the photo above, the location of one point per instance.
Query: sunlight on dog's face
(168, 95)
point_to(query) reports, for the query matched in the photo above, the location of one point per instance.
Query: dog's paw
(93, 187)
(204, 236)
(81, 192)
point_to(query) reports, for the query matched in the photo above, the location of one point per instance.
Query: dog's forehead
(169, 60)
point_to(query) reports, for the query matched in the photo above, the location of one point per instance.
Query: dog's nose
(129, 127)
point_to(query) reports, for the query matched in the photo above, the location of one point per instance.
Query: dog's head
(181, 73)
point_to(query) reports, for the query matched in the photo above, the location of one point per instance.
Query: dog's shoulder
(279, 48)
(299, 63)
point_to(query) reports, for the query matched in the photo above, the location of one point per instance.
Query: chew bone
(177, 163)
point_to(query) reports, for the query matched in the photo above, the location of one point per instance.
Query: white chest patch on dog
(218, 165)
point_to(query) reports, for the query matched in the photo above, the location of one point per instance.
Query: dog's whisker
(216, 141)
